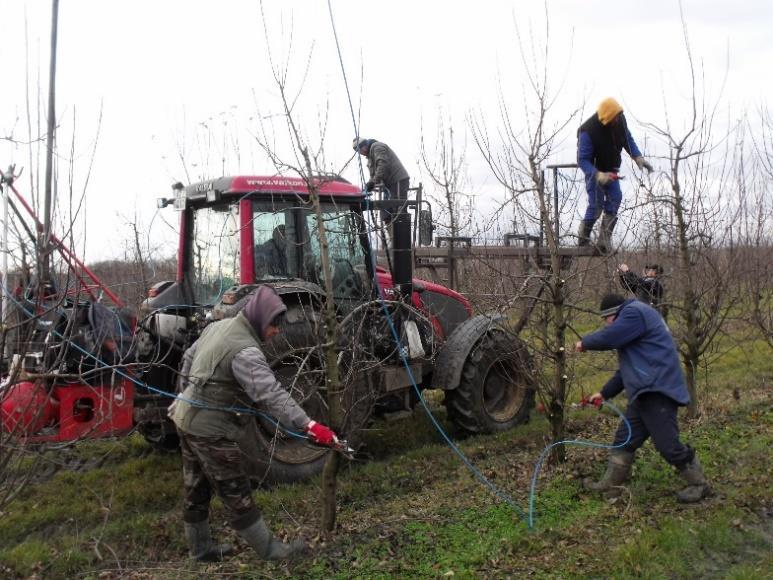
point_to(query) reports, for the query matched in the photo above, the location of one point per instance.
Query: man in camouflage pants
(225, 369)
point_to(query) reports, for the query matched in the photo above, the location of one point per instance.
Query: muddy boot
(267, 547)
(617, 473)
(604, 243)
(583, 234)
(697, 487)
(200, 544)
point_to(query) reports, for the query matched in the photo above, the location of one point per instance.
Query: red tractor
(236, 233)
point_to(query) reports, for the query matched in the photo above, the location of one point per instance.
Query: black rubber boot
(201, 546)
(267, 547)
(608, 223)
(617, 473)
(697, 487)
(583, 234)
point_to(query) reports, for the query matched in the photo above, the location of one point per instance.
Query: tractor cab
(241, 231)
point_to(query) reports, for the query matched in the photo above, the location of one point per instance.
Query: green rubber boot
(697, 487)
(200, 544)
(267, 547)
(617, 473)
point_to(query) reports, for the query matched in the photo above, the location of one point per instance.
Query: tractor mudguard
(453, 354)
(241, 293)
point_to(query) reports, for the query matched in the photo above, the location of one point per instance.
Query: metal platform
(435, 255)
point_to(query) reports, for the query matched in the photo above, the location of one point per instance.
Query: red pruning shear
(615, 176)
(585, 402)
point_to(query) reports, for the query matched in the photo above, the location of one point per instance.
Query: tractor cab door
(344, 231)
(215, 262)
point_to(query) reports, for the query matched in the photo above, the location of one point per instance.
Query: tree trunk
(690, 305)
(44, 260)
(556, 343)
(330, 472)
(690, 366)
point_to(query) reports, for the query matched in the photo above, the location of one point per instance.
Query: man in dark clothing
(271, 255)
(648, 289)
(600, 140)
(225, 369)
(654, 384)
(384, 168)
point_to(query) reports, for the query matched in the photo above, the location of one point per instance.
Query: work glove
(320, 434)
(595, 399)
(603, 177)
(370, 186)
(643, 163)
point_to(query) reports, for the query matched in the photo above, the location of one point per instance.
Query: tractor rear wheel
(297, 359)
(495, 392)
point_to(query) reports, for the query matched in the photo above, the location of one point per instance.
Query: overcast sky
(187, 80)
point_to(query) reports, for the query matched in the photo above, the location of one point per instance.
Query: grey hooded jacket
(225, 371)
(383, 165)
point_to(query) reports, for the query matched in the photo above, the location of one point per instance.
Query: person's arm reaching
(251, 369)
(613, 387)
(257, 379)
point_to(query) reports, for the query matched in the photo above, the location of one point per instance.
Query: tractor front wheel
(495, 392)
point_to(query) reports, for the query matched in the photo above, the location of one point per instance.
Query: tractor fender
(291, 292)
(454, 352)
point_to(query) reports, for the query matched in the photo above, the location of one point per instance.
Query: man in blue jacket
(653, 381)
(600, 141)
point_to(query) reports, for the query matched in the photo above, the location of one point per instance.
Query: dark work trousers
(216, 465)
(398, 190)
(655, 415)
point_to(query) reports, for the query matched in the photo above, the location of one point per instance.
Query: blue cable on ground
(580, 442)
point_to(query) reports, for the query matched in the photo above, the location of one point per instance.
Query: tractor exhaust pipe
(402, 254)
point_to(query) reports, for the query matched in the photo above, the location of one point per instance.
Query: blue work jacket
(647, 356)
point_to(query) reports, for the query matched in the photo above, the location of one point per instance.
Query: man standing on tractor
(648, 289)
(222, 372)
(654, 384)
(384, 168)
(600, 140)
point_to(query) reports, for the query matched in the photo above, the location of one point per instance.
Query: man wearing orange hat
(600, 141)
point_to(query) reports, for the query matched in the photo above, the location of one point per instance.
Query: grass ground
(414, 510)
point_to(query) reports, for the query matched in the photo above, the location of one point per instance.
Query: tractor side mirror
(425, 227)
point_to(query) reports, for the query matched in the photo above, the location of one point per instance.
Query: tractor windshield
(215, 251)
(287, 245)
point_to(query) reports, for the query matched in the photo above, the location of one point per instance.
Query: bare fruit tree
(445, 164)
(700, 190)
(308, 164)
(526, 140)
(758, 224)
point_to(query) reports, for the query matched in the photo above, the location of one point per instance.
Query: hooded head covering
(610, 305)
(359, 142)
(262, 308)
(608, 109)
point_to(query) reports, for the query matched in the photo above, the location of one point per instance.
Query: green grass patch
(414, 510)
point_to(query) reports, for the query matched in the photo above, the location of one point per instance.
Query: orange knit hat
(608, 109)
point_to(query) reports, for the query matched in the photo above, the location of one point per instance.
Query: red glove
(320, 434)
(596, 401)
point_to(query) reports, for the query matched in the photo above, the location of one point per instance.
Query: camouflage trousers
(216, 465)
